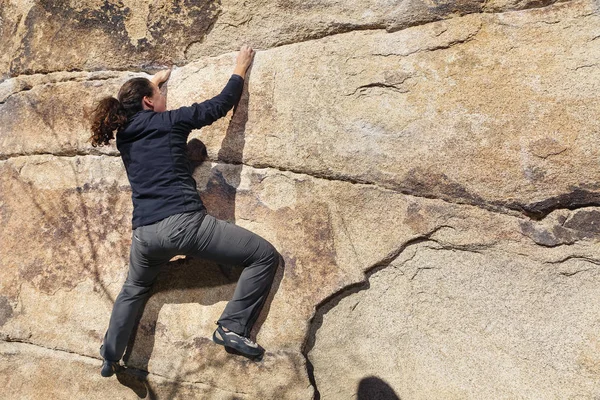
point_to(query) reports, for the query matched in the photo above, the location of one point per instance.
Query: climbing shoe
(239, 343)
(109, 368)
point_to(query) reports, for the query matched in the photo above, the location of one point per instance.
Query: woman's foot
(109, 368)
(241, 344)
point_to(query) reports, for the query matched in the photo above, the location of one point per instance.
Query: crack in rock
(576, 257)
(143, 374)
(333, 30)
(574, 200)
(23, 83)
(569, 274)
(586, 66)
(65, 153)
(9, 339)
(528, 6)
(394, 87)
(334, 299)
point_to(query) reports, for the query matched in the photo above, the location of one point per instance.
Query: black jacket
(153, 149)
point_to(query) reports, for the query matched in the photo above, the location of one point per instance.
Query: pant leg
(145, 263)
(230, 244)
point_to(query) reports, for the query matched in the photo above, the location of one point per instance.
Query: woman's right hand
(161, 77)
(244, 59)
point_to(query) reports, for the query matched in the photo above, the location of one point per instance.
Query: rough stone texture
(496, 110)
(461, 323)
(172, 337)
(59, 35)
(447, 150)
(60, 375)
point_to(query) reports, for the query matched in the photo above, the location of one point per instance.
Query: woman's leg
(230, 244)
(143, 270)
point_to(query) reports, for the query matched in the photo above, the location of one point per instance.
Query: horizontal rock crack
(130, 370)
(574, 200)
(332, 31)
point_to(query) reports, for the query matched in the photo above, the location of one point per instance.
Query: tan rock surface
(406, 153)
(173, 336)
(479, 109)
(493, 110)
(78, 35)
(37, 373)
(464, 324)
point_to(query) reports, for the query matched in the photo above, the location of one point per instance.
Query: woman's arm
(202, 114)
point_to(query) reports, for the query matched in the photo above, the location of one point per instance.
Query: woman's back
(153, 152)
(153, 148)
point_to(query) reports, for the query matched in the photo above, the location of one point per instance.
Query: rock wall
(428, 171)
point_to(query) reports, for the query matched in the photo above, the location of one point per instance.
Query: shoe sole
(233, 350)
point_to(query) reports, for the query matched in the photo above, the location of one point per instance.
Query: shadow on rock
(136, 381)
(373, 388)
(182, 282)
(188, 281)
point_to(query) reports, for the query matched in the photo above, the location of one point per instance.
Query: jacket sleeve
(202, 114)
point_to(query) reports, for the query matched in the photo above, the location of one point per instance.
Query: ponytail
(112, 115)
(108, 117)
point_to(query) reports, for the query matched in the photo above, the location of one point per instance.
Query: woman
(168, 216)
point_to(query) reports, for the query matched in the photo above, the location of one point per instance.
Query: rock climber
(169, 217)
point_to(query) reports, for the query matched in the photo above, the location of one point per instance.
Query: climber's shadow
(190, 280)
(374, 388)
(137, 382)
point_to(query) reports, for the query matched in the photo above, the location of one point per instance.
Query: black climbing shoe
(109, 368)
(239, 343)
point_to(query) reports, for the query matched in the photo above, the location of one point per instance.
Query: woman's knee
(270, 254)
(134, 290)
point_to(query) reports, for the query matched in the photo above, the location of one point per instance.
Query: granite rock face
(465, 322)
(427, 171)
(67, 35)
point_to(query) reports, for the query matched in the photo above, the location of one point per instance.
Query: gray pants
(200, 236)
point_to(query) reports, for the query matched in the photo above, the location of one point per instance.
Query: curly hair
(112, 114)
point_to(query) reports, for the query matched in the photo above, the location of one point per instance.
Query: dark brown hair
(111, 114)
